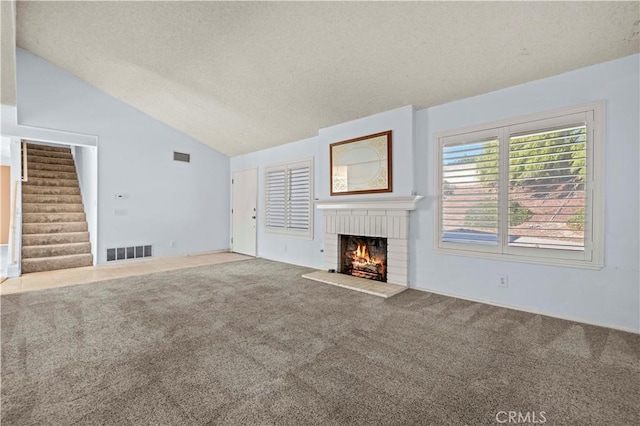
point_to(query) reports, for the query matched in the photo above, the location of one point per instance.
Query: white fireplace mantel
(382, 203)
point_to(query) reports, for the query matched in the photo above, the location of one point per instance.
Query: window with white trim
(288, 198)
(527, 189)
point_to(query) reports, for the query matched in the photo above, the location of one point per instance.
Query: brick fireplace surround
(374, 217)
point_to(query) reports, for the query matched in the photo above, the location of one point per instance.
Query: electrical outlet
(503, 281)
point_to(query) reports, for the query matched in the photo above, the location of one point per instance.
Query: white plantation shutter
(527, 189)
(275, 188)
(547, 188)
(299, 199)
(288, 192)
(469, 188)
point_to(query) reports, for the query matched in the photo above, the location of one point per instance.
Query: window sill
(566, 263)
(301, 236)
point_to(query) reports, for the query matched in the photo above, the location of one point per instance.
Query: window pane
(547, 196)
(470, 192)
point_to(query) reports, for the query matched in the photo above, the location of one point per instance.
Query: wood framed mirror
(361, 165)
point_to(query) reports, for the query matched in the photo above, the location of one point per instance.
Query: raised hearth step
(372, 287)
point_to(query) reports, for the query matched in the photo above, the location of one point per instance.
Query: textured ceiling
(243, 76)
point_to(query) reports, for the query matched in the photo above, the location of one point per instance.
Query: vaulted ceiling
(243, 76)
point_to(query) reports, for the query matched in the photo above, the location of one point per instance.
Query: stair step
(58, 238)
(52, 208)
(53, 217)
(53, 228)
(50, 182)
(56, 262)
(33, 252)
(48, 147)
(51, 167)
(49, 154)
(51, 199)
(49, 160)
(51, 174)
(50, 190)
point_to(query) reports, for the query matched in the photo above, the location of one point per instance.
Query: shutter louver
(547, 188)
(469, 192)
(275, 198)
(299, 200)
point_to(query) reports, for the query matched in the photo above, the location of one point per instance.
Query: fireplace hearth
(364, 257)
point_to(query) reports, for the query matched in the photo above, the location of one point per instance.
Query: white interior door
(244, 211)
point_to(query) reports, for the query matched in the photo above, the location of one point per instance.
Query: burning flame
(361, 257)
(362, 253)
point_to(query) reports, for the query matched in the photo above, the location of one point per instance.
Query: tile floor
(51, 279)
(375, 288)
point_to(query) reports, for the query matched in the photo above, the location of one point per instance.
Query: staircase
(54, 225)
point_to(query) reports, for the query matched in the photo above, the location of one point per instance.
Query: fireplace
(364, 257)
(383, 217)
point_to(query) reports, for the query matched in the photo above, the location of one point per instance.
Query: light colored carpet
(254, 343)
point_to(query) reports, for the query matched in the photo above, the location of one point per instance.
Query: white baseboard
(13, 270)
(499, 305)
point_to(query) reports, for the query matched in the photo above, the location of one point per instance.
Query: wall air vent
(124, 253)
(181, 156)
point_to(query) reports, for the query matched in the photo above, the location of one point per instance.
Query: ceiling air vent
(181, 156)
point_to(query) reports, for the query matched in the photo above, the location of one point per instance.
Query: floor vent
(124, 253)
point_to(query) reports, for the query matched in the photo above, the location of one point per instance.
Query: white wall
(608, 297)
(167, 201)
(86, 159)
(307, 252)
(296, 250)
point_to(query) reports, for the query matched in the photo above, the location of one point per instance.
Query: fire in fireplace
(364, 257)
